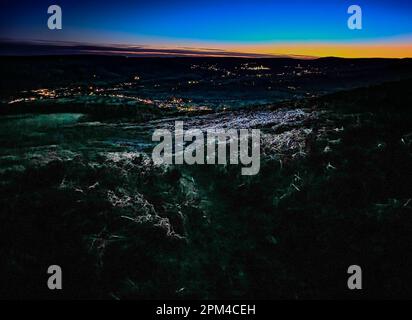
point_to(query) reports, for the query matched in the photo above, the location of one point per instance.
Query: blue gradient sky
(212, 23)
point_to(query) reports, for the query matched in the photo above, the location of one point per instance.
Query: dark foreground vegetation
(333, 192)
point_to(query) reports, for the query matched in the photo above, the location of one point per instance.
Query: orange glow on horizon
(303, 50)
(380, 50)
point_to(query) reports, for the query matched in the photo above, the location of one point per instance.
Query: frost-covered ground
(334, 188)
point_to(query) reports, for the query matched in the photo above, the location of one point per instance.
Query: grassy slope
(289, 232)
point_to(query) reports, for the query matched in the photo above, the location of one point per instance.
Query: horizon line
(38, 47)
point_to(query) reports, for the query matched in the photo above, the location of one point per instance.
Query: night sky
(293, 27)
